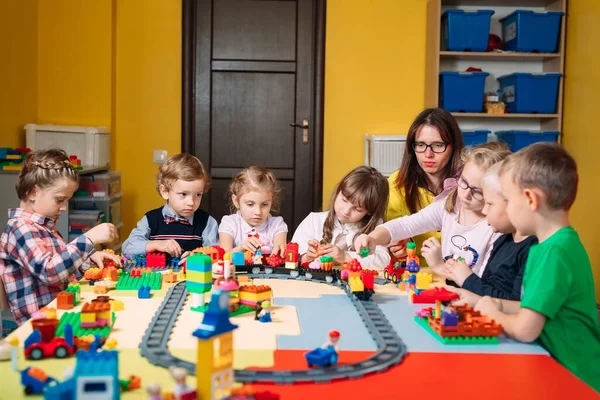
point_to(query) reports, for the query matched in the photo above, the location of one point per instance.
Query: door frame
(194, 46)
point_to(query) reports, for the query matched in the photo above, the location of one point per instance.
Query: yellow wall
(148, 97)
(75, 56)
(18, 69)
(374, 77)
(580, 136)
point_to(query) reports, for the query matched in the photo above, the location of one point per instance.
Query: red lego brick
(156, 260)
(430, 296)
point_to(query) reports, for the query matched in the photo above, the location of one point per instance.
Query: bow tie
(181, 220)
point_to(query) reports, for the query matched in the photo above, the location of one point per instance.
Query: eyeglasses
(476, 193)
(436, 147)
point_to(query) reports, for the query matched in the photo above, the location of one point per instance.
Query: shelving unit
(495, 63)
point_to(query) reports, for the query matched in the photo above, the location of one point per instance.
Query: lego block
(291, 265)
(252, 294)
(156, 260)
(152, 279)
(356, 285)
(423, 280)
(110, 273)
(170, 278)
(237, 258)
(116, 305)
(65, 301)
(431, 295)
(455, 339)
(144, 292)
(100, 288)
(198, 262)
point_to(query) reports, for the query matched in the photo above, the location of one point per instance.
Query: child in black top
(503, 274)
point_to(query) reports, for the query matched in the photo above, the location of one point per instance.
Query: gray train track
(390, 348)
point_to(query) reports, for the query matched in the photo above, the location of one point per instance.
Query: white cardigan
(312, 229)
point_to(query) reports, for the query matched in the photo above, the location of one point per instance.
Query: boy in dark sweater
(503, 274)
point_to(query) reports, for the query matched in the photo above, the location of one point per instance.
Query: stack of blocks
(12, 159)
(198, 273)
(95, 314)
(252, 295)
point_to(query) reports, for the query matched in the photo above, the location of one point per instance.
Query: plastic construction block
(65, 301)
(156, 260)
(237, 258)
(74, 319)
(144, 292)
(76, 290)
(152, 279)
(430, 296)
(244, 309)
(490, 340)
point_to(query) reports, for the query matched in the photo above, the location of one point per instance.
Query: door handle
(304, 127)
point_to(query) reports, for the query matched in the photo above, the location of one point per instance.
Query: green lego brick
(244, 309)
(456, 339)
(74, 319)
(152, 279)
(76, 290)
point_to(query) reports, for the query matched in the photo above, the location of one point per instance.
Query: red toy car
(394, 270)
(37, 346)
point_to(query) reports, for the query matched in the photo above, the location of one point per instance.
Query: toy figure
(265, 312)
(334, 337)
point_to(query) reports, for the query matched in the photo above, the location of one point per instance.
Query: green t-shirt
(558, 283)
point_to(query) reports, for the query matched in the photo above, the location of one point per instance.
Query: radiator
(384, 152)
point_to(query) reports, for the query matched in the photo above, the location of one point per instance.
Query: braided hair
(42, 168)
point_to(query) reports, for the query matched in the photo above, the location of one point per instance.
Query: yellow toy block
(180, 275)
(104, 315)
(291, 265)
(116, 305)
(424, 279)
(356, 285)
(89, 317)
(402, 287)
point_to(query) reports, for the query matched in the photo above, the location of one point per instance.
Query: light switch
(159, 156)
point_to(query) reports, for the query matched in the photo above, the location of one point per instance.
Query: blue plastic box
(530, 93)
(516, 140)
(465, 31)
(473, 138)
(462, 91)
(527, 31)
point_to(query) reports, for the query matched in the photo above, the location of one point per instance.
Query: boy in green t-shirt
(558, 306)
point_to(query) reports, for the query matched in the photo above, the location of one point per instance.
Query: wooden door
(252, 68)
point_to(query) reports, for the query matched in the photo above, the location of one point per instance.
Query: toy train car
(322, 357)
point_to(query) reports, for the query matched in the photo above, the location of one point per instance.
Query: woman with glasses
(432, 155)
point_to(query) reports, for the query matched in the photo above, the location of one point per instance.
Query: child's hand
(312, 251)
(465, 296)
(183, 257)
(487, 305)
(279, 249)
(432, 252)
(364, 242)
(103, 233)
(251, 244)
(398, 249)
(165, 246)
(338, 254)
(458, 271)
(99, 257)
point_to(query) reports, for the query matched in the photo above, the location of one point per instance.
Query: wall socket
(159, 156)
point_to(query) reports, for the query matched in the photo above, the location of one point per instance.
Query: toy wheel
(256, 270)
(61, 352)
(329, 279)
(394, 278)
(268, 270)
(36, 354)
(294, 274)
(308, 275)
(28, 390)
(386, 275)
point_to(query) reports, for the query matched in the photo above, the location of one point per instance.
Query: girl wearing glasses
(432, 155)
(465, 233)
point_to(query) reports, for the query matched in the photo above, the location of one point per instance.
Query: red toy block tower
(291, 255)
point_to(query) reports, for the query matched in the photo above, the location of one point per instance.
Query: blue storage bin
(527, 31)
(462, 91)
(473, 138)
(530, 93)
(465, 31)
(516, 140)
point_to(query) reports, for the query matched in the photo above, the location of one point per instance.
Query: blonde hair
(366, 187)
(548, 167)
(491, 178)
(42, 168)
(484, 156)
(185, 167)
(255, 179)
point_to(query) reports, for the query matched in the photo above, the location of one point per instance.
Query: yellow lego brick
(356, 285)
(196, 276)
(88, 317)
(11, 168)
(291, 265)
(424, 279)
(116, 305)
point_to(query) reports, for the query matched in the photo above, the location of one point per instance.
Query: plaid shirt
(35, 262)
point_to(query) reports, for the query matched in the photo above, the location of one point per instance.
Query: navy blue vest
(189, 237)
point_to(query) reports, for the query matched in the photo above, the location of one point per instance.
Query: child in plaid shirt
(35, 262)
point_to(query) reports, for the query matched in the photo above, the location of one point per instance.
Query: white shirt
(473, 243)
(235, 226)
(312, 229)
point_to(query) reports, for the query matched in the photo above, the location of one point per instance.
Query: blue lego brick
(216, 319)
(144, 292)
(100, 370)
(198, 262)
(237, 258)
(195, 287)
